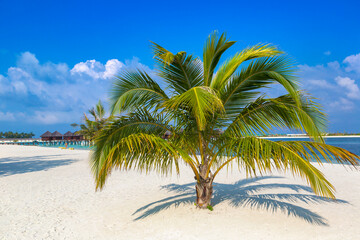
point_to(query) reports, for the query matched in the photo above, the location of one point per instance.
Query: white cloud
(4, 85)
(92, 68)
(7, 116)
(97, 70)
(334, 83)
(312, 77)
(52, 117)
(50, 72)
(350, 85)
(353, 62)
(327, 53)
(343, 104)
(320, 83)
(112, 68)
(27, 61)
(52, 93)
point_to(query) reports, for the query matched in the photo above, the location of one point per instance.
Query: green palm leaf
(258, 156)
(201, 102)
(180, 71)
(144, 152)
(243, 87)
(230, 66)
(134, 88)
(260, 116)
(214, 47)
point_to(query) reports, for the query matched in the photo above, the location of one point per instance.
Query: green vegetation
(208, 117)
(342, 134)
(210, 207)
(91, 127)
(16, 135)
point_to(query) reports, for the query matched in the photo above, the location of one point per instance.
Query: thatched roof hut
(72, 136)
(78, 136)
(69, 134)
(46, 134)
(56, 136)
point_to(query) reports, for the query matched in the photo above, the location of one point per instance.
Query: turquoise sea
(70, 145)
(351, 144)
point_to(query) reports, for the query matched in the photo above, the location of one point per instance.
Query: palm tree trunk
(204, 188)
(204, 191)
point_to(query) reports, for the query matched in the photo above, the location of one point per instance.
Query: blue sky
(57, 57)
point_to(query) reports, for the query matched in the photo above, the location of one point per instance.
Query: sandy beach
(48, 193)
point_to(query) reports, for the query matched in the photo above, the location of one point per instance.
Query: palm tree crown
(214, 113)
(91, 127)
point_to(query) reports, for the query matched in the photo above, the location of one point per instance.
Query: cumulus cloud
(51, 93)
(343, 104)
(7, 116)
(350, 86)
(91, 68)
(111, 68)
(320, 83)
(52, 117)
(96, 70)
(4, 85)
(28, 61)
(353, 62)
(335, 84)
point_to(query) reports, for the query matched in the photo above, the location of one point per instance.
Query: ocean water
(351, 144)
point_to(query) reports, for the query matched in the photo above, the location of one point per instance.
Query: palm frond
(181, 71)
(100, 110)
(144, 152)
(241, 89)
(231, 65)
(141, 121)
(135, 88)
(201, 102)
(258, 156)
(263, 114)
(214, 47)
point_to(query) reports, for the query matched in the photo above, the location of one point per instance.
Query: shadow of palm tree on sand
(20, 165)
(244, 193)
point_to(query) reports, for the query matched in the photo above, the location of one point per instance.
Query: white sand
(49, 194)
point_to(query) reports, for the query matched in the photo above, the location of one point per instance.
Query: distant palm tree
(74, 125)
(209, 116)
(91, 127)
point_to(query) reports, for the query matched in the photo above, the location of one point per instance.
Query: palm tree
(74, 125)
(209, 116)
(91, 127)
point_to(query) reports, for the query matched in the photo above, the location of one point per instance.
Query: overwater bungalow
(46, 136)
(78, 136)
(68, 136)
(72, 136)
(56, 136)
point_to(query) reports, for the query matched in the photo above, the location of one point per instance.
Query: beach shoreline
(49, 193)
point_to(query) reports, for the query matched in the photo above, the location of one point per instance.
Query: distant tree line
(16, 135)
